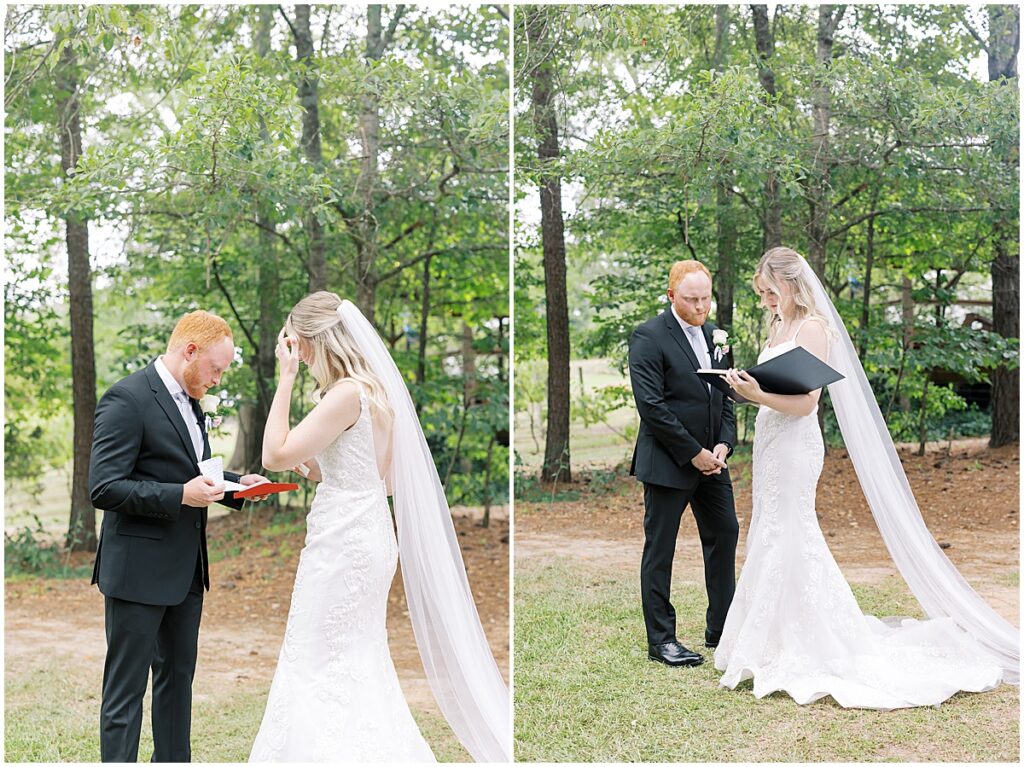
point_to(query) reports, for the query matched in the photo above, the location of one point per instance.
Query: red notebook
(266, 488)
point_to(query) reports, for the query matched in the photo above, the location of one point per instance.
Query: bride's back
(363, 448)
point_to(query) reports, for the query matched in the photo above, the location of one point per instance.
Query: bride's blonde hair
(333, 356)
(784, 265)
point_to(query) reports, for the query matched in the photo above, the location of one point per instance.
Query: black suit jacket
(142, 454)
(678, 415)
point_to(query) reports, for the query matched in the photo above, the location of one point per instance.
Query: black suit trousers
(139, 637)
(714, 512)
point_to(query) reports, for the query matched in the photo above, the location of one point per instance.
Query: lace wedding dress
(335, 695)
(794, 624)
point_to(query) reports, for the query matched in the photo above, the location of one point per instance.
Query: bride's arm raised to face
(283, 447)
(813, 338)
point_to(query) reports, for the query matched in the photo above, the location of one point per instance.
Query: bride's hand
(287, 354)
(743, 384)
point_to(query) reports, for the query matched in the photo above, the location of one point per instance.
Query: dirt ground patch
(246, 609)
(969, 498)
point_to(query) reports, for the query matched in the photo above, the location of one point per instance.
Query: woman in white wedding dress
(335, 695)
(794, 624)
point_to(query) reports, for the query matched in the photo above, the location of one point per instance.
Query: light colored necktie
(185, 408)
(700, 348)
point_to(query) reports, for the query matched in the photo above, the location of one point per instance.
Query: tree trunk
(907, 306)
(249, 441)
(421, 354)
(922, 421)
(726, 239)
(765, 42)
(485, 521)
(310, 100)
(557, 465)
(82, 523)
(725, 228)
(265, 360)
(829, 17)
(468, 365)
(369, 137)
(869, 258)
(1003, 45)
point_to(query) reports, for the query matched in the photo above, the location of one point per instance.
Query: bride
(335, 694)
(794, 624)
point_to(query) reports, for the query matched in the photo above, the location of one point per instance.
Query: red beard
(192, 381)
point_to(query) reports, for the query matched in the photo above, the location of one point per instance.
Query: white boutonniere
(210, 404)
(720, 339)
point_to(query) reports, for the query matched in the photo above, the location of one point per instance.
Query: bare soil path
(61, 622)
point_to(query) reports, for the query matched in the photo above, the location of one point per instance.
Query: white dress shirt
(184, 403)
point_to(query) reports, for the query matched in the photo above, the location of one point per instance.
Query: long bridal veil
(456, 657)
(932, 578)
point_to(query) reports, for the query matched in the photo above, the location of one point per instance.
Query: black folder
(794, 372)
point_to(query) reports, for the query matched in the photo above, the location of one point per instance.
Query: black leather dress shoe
(673, 654)
(711, 640)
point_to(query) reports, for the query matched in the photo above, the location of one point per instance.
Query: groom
(152, 564)
(687, 430)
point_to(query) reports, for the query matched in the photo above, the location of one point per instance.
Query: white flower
(719, 337)
(209, 403)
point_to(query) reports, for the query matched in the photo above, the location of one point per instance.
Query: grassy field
(53, 504)
(599, 445)
(53, 670)
(586, 692)
(54, 647)
(595, 445)
(52, 716)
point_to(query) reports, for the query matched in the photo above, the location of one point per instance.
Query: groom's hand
(252, 479)
(707, 462)
(721, 452)
(201, 491)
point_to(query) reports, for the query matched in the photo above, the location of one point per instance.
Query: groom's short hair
(200, 328)
(682, 268)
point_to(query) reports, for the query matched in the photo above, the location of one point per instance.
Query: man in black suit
(152, 564)
(687, 430)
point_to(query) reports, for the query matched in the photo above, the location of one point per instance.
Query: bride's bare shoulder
(812, 327)
(813, 336)
(342, 400)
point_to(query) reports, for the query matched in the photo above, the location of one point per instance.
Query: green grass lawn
(52, 505)
(51, 714)
(585, 690)
(595, 445)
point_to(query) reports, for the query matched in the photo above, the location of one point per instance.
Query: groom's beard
(195, 389)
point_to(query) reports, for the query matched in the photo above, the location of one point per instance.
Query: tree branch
(327, 31)
(404, 233)
(872, 214)
(9, 94)
(389, 34)
(231, 303)
(746, 200)
(288, 21)
(428, 254)
(857, 190)
(975, 35)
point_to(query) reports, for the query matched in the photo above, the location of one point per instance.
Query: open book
(794, 372)
(213, 468)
